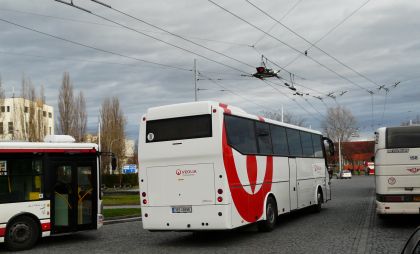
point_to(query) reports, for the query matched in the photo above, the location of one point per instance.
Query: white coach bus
(397, 170)
(210, 166)
(47, 189)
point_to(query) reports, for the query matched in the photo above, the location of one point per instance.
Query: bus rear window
(178, 128)
(403, 137)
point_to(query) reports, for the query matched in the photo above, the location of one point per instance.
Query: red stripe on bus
(250, 206)
(46, 226)
(48, 151)
(2, 232)
(225, 108)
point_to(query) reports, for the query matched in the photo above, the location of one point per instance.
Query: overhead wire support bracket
(73, 5)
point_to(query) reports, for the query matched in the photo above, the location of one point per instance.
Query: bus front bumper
(397, 207)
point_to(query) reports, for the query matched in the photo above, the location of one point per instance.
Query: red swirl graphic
(249, 206)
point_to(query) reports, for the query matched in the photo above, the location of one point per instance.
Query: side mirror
(113, 162)
(330, 145)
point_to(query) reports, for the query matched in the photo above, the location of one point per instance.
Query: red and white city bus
(211, 166)
(47, 189)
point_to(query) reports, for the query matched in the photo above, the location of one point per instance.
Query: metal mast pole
(339, 155)
(195, 79)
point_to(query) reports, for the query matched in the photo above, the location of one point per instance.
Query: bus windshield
(403, 137)
(179, 128)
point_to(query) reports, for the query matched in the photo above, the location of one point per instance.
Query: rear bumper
(205, 217)
(398, 207)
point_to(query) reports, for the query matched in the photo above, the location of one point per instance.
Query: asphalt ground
(346, 224)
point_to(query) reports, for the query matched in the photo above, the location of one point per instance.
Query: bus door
(293, 184)
(73, 194)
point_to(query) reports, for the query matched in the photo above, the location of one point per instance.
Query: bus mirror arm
(330, 145)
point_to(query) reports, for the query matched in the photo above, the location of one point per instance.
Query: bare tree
(287, 117)
(80, 117)
(29, 113)
(66, 107)
(113, 131)
(339, 124)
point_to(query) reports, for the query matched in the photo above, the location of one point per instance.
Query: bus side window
(307, 146)
(22, 180)
(293, 139)
(316, 140)
(264, 138)
(279, 140)
(241, 134)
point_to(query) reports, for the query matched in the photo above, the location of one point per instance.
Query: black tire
(271, 215)
(319, 200)
(22, 233)
(383, 217)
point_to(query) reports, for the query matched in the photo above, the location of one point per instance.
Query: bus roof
(205, 107)
(47, 145)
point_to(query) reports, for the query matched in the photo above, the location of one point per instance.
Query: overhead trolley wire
(330, 31)
(274, 25)
(160, 40)
(92, 47)
(312, 44)
(292, 99)
(233, 92)
(290, 46)
(114, 26)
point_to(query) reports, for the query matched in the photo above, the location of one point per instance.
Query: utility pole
(339, 155)
(195, 79)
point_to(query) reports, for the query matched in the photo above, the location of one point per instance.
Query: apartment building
(23, 119)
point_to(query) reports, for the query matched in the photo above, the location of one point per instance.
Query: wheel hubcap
(20, 232)
(270, 213)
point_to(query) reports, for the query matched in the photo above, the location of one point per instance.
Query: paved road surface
(347, 224)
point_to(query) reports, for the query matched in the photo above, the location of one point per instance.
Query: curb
(122, 220)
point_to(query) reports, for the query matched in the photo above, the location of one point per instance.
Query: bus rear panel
(397, 170)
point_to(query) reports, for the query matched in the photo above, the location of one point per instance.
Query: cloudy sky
(361, 50)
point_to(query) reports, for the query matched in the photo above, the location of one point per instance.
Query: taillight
(144, 201)
(143, 194)
(219, 199)
(220, 191)
(394, 198)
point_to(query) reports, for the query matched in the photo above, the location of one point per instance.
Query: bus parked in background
(211, 166)
(397, 170)
(47, 189)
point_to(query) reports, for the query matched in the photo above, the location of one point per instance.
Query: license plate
(182, 209)
(416, 198)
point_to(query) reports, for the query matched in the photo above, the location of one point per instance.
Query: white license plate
(182, 209)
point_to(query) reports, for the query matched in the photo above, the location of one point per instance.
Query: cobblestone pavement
(347, 224)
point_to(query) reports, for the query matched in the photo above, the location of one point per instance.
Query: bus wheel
(271, 215)
(21, 234)
(318, 206)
